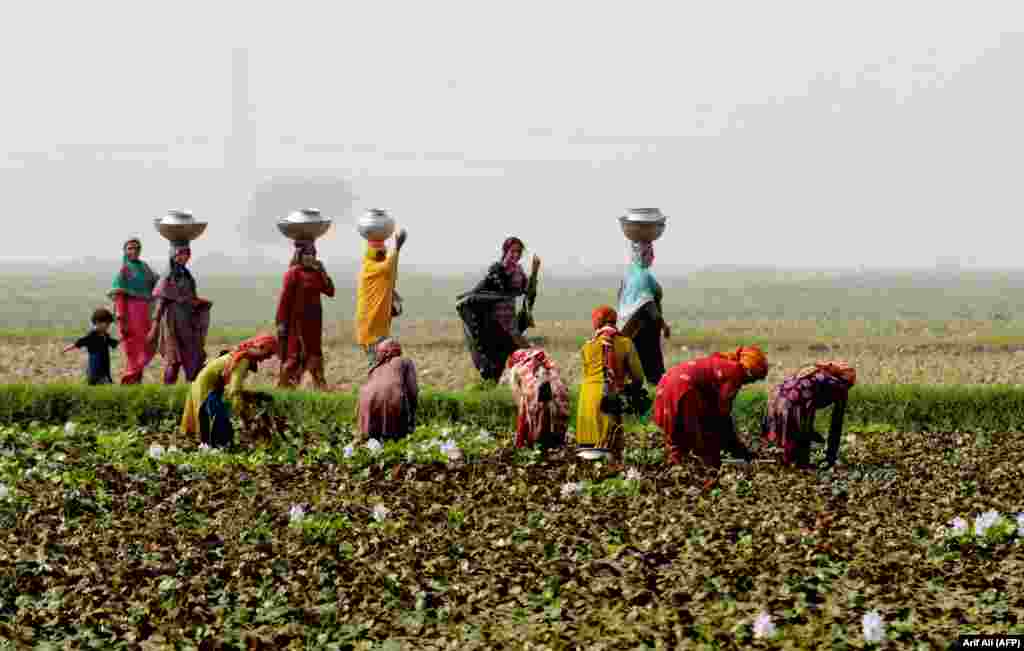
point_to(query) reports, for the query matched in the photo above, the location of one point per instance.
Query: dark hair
(102, 315)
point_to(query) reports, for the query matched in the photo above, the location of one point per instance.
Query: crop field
(116, 536)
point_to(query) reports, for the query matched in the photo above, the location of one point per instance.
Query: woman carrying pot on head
(611, 372)
(132, 293)
(390, 397)
(640, 315)
(793, 404)
(542, 396)
(207, 410)
(492, 328)
(300, 318)
(182, 319)
(693, 406)
(377, 302)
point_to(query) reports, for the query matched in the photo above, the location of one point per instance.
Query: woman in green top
(132, 294)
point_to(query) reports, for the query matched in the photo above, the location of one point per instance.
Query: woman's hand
(666, 330)
(535, 264)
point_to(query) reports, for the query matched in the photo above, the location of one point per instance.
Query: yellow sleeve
(237, 378)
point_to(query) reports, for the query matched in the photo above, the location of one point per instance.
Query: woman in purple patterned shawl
(182, 319)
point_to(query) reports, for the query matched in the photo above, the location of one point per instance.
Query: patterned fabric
(693, 407)
(593, 426)
(752, 359)
(488, 314)
(639, 287)
(794, 403)
(614, 377)
(537, 421)
(134, 278)
(184, 325)
(256, 349)
(602, 316)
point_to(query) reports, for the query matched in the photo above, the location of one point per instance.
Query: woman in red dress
(300, 318)
(693, 406)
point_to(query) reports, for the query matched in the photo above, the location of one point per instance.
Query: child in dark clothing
(98, 342)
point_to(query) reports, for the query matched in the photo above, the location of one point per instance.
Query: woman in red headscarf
(206, 411)
(488, 311)
(611, 368)
(390, 397)
(693, 405)
(793, 404)
(542, 396)
(300, 318)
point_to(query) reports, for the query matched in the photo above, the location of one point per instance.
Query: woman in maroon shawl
(182, 319)
(300, 318)
(388, 400)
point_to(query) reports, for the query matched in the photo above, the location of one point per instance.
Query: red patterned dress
(539, 420)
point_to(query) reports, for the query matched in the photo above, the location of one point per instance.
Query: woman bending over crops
(300, 318)
(132, 294)
(389, 399)
(693, 406)
(488, 311)
(793, 404)
(207, 411)
(611, 373)
(542, 396)
(182, 319)
(640, 315)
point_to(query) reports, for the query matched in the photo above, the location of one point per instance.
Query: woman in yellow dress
(206, 412)
(377, 302)
(608, 360)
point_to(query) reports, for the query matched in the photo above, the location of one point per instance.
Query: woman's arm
(237, 384)
(835, 432)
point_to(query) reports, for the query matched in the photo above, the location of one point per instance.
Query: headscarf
(302, 247)
(135, 278)
(605, 332)
(506, 246)
(836, 368)
(247, 349)
(387, 350)
(604, 315)
(751, 359)
(639, 287)
(532, 358)
(178, 271)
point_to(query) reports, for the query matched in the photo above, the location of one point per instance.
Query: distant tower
(237, 154)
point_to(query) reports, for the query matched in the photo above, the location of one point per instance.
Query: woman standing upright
(182, 319)
(132, 294)
(376, 300)
(488, 311)
(300, 318)
(640, 315)
(611, 368)
(793, 404)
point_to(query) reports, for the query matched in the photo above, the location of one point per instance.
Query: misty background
(790, 134)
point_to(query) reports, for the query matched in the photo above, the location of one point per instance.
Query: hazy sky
(790, 133)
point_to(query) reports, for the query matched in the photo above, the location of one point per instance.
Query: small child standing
(98, 342)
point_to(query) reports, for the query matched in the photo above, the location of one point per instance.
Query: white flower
(633, 475)
(763, 626)
(373, 445)
(380, 512)
(156, 450)
(69, 428)
(450, 450)
(4, 491)
(296, 513)
(486, 436)
(958, 526)
(570, 488)
(1020, 525)
(349, 450)
(985, 521)
(874, 627)
(203, 447)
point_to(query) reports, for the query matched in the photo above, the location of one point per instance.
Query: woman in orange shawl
(793, 404)
(542, 396)
(693, 405)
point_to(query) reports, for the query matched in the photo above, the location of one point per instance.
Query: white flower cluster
(959, 527)
(872, 627)
(297, 513)
(380, 512)
(4, 491)
(571, 488)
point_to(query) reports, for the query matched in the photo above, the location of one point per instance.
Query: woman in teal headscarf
(640, 315)
(132, 294)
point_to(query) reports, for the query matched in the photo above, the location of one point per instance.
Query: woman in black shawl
(488, 311)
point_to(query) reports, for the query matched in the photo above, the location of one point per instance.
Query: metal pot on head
(179, 226)
(306, 224)
(376, 225)
(643, 224)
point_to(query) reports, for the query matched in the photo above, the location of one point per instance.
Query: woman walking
(693, 406)
(377, 303)
(492, 328)
(543, 398)
(300, 318)
(793, 405)
(611, 369)
(390, 397)
(640, 315)
(182, 319)
(132, 293)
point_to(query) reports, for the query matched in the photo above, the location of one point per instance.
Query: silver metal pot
(376, 224)
(643, 224)
(179, 226)
(306, 224)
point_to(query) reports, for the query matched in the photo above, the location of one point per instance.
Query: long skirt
(647, 341)
(215, 427)
(134, 324)
(489, 342)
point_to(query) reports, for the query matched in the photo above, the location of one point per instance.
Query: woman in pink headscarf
(390, 397)
(542, 396)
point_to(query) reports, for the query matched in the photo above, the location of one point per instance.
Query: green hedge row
(907, 408)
